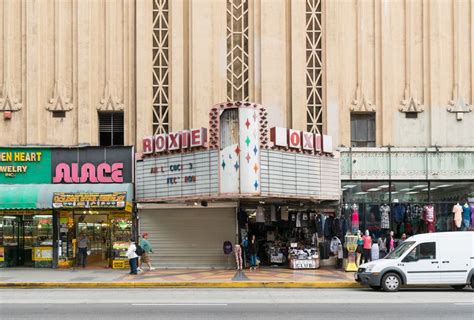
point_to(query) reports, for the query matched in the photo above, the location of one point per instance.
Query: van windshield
(400, 250)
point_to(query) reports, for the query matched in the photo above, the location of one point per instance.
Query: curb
(105, 285)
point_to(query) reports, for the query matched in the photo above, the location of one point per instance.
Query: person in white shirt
(132, 257)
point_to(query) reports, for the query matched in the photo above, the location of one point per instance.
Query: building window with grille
(237, 36)
(111, 131)
(363, 130)
(160, 66)
(314, 66)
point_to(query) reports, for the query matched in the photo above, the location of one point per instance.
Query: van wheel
(458, 286)
(391, 282)
(376, 288)
(472, 282)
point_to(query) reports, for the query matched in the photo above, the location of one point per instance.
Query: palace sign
(175, 141)
(300, 140)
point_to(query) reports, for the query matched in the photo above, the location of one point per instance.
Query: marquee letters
(300, 140)
(175, 141)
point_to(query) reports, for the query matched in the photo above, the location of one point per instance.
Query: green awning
(40, 196)
(21, 197)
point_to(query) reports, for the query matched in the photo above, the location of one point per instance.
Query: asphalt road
(234, 304)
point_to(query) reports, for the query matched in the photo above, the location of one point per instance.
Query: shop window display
(293, 237)
(121, 234)
(26, 239)
(409, 207)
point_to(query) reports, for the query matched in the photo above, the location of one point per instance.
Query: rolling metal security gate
(189, 238)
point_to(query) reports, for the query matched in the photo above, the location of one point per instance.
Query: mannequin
(385, 216)
(391, 242)
(429, 217)
(359, 250)
(367, 244)
(466, 216)
(355, 218)
(457, 211)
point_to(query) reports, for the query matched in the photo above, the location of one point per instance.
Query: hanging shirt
(319, 224)
(429, 214)
(472, 214)
(385, 217)
(323, 223)
(457, 210)
(466, 212)
(304, 219)
(273, 214)
(284, 213)
(355, 217)
(260, 215)
(298, 220)
(399, 213)
(416, 212)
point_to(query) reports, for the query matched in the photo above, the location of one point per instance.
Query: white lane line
(464, 304)
(180, 304)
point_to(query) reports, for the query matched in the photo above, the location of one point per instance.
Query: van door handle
(433, 262)
(445, 261)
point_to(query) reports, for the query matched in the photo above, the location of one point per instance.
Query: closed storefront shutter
(189, 238)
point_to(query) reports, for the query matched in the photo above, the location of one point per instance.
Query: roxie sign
(175, 141)
(300, 140)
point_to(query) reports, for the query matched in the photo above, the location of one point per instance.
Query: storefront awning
(40, 196)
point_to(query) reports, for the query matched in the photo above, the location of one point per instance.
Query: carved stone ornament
(7, 101)
(361, 103)
(410, 104)
(109, 102)
(459, 107)
(57, 102)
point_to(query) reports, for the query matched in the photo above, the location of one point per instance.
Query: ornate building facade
(402, 70)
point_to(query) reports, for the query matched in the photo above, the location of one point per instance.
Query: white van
(445, 258)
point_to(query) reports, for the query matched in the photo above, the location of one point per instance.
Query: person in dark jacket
(253, 250)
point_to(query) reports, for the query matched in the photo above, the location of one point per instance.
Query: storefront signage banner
(25, 165)
(114, 200)
(92, 165)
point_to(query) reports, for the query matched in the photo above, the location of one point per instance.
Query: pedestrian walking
(253, 250)
(132, 257)
(145, 257)
(82, 245)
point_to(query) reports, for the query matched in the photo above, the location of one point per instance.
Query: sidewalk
(192, 278)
